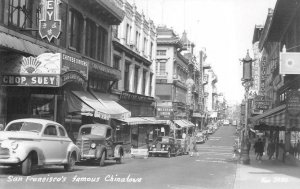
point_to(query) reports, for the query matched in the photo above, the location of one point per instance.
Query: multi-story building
(134, 47)
(55, 59)
(172, 76)
(280, 72)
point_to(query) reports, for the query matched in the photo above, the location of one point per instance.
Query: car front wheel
(27, 165)
(71, 163)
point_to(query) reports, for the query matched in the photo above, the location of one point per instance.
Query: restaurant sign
(49, 24)
(30, 80)
(260, 103)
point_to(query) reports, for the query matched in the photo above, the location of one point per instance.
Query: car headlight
(93, 145)
(153, 146)
(14, 145)
(163, 145)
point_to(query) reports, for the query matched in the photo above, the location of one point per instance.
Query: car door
(51, 144)
(109, 143)
(65, 141)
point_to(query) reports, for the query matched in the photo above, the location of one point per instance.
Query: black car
(163, 145)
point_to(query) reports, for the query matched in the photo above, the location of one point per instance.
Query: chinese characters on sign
(263, 75)
(49, 24)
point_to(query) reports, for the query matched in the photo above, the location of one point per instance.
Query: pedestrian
(298, 149)
(271, 149)
(259, 149)
(193, 146)
(281, 150)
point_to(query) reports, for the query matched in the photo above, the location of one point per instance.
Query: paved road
(213, 168)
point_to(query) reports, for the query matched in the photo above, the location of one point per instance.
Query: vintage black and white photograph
(150, 94)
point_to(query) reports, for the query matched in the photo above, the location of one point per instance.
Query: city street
(213, 168)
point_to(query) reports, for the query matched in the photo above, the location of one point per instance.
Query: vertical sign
(49, 24)
(263, 74)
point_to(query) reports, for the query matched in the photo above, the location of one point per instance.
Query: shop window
(75, 29)
(42, 106)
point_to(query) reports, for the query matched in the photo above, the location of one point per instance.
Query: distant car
(36, 142)
(226, 122)
(95, 142)
(200, 139)
(163, 145)
(210, 131)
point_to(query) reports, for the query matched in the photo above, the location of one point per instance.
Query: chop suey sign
(49, 24)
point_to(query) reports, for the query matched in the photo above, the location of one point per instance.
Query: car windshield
(95, 130)
(25, 126)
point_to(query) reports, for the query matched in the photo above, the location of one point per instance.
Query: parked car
(200, 139)
(183, 147)
(95, 142)
(36, 142)
(163, 145)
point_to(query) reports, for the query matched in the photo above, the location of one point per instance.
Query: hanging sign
(49, 24)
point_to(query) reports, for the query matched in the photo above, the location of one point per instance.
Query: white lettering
(46, 80)
(52, 80)
(33, 80)
(50, 5)
(50, 13)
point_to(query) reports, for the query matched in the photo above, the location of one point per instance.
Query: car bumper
(12, 160)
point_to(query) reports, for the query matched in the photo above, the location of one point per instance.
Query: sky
(223, 27)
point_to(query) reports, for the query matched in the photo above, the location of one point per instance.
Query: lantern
(247, 67)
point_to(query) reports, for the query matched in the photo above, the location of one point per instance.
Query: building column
(83, 35)
(122, 68)
(148, 84)
(140, 81)
(131, 77)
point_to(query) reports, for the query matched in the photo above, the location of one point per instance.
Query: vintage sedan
(200, 139)
(163, 145)
(36, 142)
(96, 142)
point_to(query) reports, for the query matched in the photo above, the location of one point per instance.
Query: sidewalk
(267, 173)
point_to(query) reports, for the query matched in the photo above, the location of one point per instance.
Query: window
(61, 131)
(90, 45)
(151, 50)
(128, 31)
(162, 67)
(50, 130)
(126, 76)
(161, 52)
(116, 66)
(75, 30)
(137, 40)
(145, 46)
(136, 78)
(102, 38)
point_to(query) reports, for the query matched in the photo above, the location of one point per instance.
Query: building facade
(55, 59)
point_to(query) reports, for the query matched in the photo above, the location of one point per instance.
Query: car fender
(73, 148)
(99, 150)
(118, 152)
(23, 150)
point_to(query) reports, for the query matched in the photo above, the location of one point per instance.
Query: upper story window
(137, 40)
(75, 30)
(151, 50)
(161, 52)
(126, 76)
(128, 32)
(161, 67)
(145, 46)
(102, 44)
(90, 45)
(136, 78)
(144, 82)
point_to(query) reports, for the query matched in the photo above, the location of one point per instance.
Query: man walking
(271, 149)
(259, 149)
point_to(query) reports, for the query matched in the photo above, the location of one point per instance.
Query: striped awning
(145, 120)
(184, 123)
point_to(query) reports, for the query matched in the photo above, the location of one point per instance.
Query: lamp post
(247, 82)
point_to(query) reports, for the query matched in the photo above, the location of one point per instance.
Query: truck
(95, 142)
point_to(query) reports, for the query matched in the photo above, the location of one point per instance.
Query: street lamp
(247, 82)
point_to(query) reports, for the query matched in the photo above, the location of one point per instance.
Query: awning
(268, 113)
(145, 120)
(100, 110)
(184, 123)
(20, 44)
(114, 109)
(75, 106)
